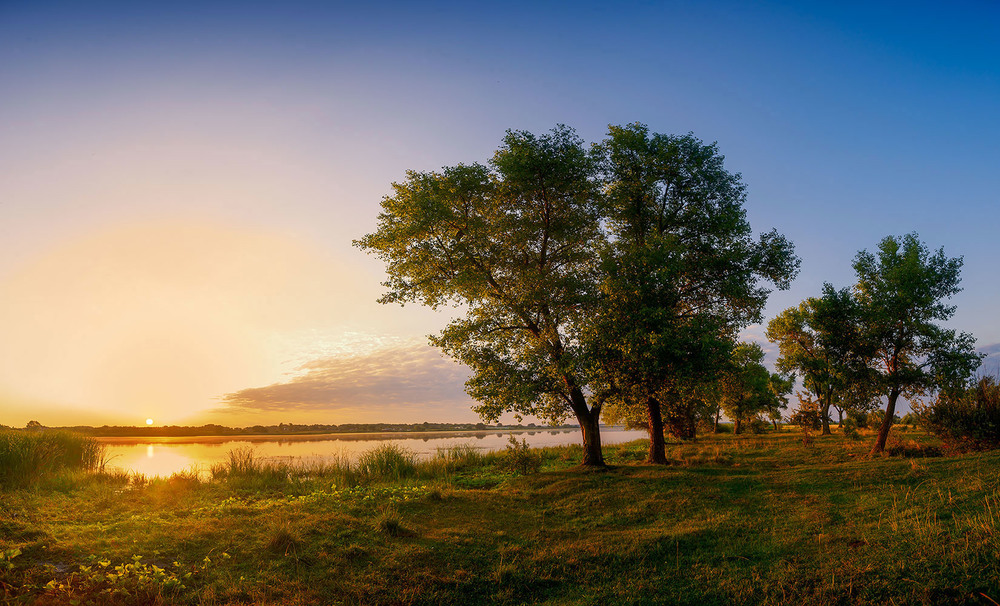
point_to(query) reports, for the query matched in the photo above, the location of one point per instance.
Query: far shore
(309, 437)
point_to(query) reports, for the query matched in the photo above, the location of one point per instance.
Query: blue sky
(128, 126)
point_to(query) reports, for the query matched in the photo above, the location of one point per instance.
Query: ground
(767, 519)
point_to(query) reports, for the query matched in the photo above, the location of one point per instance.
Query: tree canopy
(681, 274)
(817, 339)
(747, 389)
(516, 243)
(617, 273)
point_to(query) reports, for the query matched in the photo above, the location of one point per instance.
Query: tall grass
(26, 457)
(387, 461)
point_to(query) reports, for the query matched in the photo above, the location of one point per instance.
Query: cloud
(409, 374)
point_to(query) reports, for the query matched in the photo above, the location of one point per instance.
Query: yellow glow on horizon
(149, 421)
(171, 314)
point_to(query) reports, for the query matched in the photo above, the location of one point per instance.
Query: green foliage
(806, 416)
(27, 456)
(850, 429)
(966, 419)
(815, 340)
(748, 389)
(901, 290)
(520, 458)
(515, 243)
(680, 277)
(618, 274)
(859, 417)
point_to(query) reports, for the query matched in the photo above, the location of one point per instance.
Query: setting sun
(149, 421)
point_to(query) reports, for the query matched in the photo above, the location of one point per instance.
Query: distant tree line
(212, 429)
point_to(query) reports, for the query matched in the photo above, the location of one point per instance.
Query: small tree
(806, 415)
(901, 291)
(815, 339)
(748, 389)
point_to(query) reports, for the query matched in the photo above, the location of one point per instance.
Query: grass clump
(387, 462)
(29, 456)
(243, 468)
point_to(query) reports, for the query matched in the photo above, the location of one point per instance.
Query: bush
(520, 458)
(850, 429)
(758, 426)
(806, 418)
(859, 418)
(968, 419)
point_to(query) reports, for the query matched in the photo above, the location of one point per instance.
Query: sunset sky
(180, 182)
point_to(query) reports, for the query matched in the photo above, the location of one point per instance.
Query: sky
(180, 182)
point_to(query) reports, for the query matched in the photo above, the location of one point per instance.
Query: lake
(168, 455)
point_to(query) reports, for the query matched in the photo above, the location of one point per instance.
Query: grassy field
(771, 519)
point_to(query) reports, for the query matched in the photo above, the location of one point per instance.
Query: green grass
(28, 457)
(763, 519)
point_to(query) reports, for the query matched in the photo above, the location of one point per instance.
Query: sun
(149, 421)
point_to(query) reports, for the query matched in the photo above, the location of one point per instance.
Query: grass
(28, 457)
(730, 520)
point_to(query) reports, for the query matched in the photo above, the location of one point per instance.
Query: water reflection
(165, 456)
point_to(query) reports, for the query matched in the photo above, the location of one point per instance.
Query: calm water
(164, 456)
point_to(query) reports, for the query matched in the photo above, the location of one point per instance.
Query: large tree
(516, 243)
(682, 274)
(901, 290)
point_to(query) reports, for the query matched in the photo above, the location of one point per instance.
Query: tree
(815, 340)
(516, 243)
(681, 275)
(747, 389)
(901, 290)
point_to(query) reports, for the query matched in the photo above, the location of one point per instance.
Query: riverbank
(731, 520)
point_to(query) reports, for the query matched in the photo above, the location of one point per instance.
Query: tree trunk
(592, 453)
(657, 448)
(718, 414)
(824, 409)
(883, 432)
(589, 419)
(737, 425)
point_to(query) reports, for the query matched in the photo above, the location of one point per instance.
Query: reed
(29, 456)
(387, 461)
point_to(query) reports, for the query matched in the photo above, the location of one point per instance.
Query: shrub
(911, 449)
(859, 417)
(967, 419)
(850, 429)
(758, 426)
(806, 418)
(520, 458)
